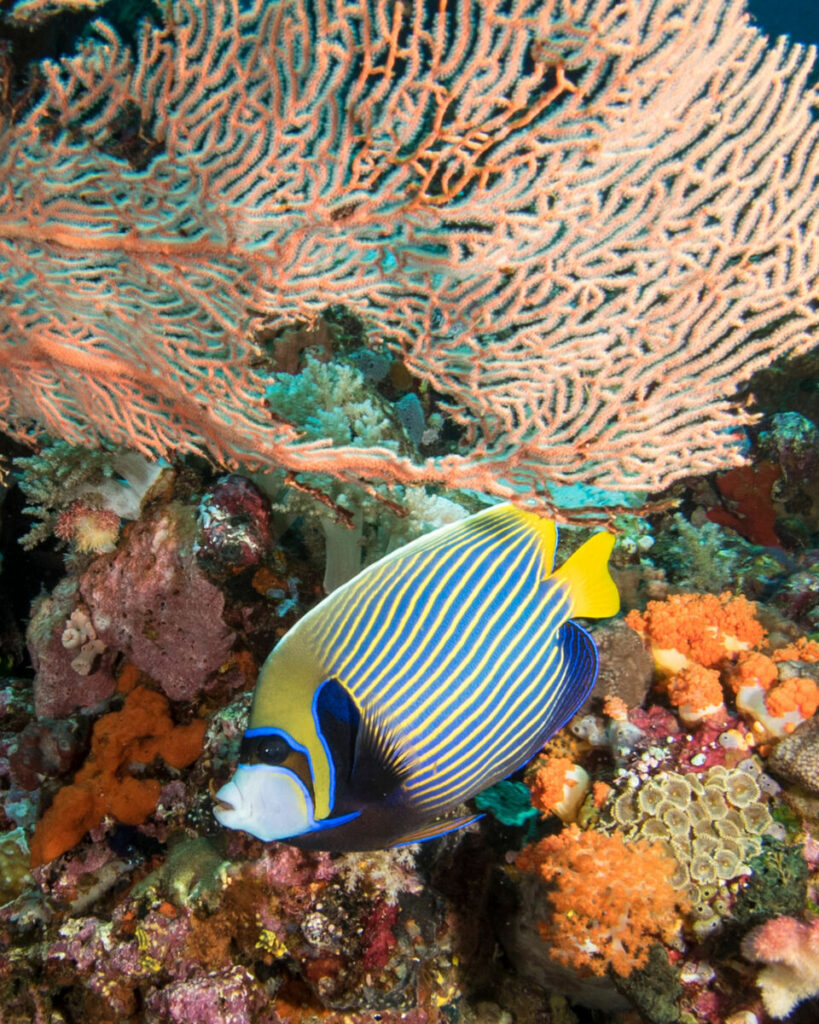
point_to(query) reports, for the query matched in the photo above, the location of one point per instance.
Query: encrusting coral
(611, 899)
(140, 732)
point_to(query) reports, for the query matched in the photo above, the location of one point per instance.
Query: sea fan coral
(611, 899)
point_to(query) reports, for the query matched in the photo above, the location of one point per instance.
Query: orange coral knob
(140, 732)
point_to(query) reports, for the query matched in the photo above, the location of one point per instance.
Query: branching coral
(142, 731)
(611, 899)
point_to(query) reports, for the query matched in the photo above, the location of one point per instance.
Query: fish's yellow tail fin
(586, 575)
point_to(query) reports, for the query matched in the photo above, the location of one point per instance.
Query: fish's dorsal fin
(592, 591)
(433, 829)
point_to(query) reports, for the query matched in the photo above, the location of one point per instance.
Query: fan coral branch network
(583, 224)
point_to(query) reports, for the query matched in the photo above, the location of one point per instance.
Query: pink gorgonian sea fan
(584, 223)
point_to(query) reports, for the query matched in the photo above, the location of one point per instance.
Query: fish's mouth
(222, 805)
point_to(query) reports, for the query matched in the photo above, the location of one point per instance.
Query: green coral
(777, 887)
(653, 989)
(194, 873)
(14, 862)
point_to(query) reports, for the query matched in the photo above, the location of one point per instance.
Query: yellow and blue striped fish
(436, 672)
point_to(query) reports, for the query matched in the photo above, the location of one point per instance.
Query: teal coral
(508, 802)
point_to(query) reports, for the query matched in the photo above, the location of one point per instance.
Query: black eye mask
(272, 749)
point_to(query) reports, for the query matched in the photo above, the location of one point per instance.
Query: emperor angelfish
(434, 673)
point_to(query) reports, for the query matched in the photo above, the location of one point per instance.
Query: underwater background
(170, 514)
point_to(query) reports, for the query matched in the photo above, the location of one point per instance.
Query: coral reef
(657, 845)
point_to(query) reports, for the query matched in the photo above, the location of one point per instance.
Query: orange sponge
(140, 732)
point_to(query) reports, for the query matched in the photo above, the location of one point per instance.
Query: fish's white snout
(268, 802)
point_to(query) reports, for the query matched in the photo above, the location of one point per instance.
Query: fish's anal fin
(593, 593)
(434, 829)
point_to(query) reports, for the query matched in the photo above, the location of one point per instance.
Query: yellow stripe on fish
(434, 673)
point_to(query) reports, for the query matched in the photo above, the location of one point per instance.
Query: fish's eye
(272, 749)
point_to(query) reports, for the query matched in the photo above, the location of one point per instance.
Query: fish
(434, 673)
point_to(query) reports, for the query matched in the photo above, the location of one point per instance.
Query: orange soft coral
(558, 786)
(797, 694)
(140, 732)
(697, 693)
(611, 899)
(803, 650)
(700, 628)
(753, 669)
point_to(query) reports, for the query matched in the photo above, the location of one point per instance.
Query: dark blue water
(797, 18)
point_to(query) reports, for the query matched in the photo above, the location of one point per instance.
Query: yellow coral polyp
(677, 790)
(703, 869)
(742, 789)
(624, 811)
(649, 798)
(677, 821)
(756, 818)
(727, 827)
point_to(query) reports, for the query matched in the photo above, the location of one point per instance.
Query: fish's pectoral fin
(593, 593)
(434, 829)
(380, 767)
